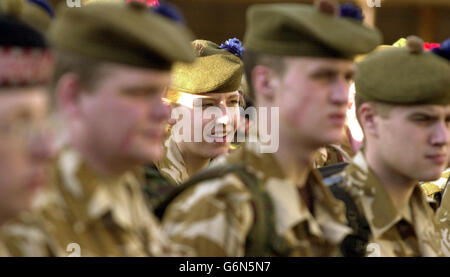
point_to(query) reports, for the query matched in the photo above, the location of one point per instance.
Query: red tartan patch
(24, 66)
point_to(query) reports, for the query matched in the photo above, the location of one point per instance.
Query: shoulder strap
(262, 239)
(329, 170)
(355, 244)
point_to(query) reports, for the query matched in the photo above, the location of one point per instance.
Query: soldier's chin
(431, 175)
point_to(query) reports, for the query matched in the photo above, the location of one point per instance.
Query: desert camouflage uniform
(215, 216)
(331, 154)
(443, 218)
(3, 251)
(335, 153)
(430, 188)
(103, 216)
(165, 175)
(409, 232)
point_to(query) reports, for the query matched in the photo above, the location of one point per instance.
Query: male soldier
(402, 103)
(211, 82)
(25, 67)
(298, 58)
(113, 62)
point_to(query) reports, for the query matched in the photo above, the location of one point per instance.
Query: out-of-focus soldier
(265, 199)
(402, 103)
(113, 65)
(25, 139)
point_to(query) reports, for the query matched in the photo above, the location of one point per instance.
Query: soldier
(113, 66)
(298, 58)
(25, 143)
(211, 82)
(402, 103)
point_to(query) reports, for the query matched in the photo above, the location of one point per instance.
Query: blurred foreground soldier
(266, 199)
(211, 83)
(25, 68)
(113, 63)
(402, 102)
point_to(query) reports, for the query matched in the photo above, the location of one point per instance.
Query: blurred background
(218, 20)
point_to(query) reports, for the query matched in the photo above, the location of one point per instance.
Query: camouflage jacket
(215, 216)
(87, 215)
(3, 251)
(331, 154)
(164, 176)
(431, 188)
(393, 232)
(443, 218)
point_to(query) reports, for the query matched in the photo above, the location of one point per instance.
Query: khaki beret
(407, 75)
(291, 29)
(215, 70)
(37, 14)
(126, 33)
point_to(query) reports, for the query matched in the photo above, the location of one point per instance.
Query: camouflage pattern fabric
(430, 188)
(215, 216)
(172, 166)
(3, 251)
(96, 215)
(395, 233)
(443, 218)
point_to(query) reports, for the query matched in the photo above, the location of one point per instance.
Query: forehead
(312, 63)
(18, 100)
(127, 75)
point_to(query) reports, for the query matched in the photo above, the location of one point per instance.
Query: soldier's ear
(367, 116)
(68, 91)
(263, 82)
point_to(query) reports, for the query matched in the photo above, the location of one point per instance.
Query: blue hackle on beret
(234, 46)
(44, 5)
(443, 50)
(351, 11)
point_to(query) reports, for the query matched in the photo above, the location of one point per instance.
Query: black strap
(329, 170)
(354, 245)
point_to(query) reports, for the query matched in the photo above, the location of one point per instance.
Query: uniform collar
(93, 196)
(329, 219)
(378, 207)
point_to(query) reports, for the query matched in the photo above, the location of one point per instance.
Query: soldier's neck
(101, 165)
(295, 162)
(398, 186)
(194, 163)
